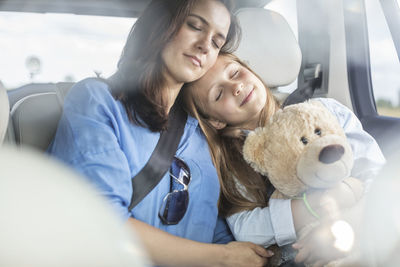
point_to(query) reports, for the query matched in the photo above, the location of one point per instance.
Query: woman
(109, 129)
(231, 98)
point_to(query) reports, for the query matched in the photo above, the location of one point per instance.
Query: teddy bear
(302, 147)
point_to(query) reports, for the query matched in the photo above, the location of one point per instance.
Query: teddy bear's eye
(317, 131)
(304, 140)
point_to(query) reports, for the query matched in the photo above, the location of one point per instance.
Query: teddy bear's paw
(356, 186)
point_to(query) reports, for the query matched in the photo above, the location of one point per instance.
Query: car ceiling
(122, 8)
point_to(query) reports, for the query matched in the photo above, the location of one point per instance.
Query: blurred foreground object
(380, 239)
(51, 217)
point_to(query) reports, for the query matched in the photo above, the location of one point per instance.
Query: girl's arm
(169, 250)
(265, 226)
(279, 222)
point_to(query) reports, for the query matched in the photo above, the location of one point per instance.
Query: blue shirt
(274, 224)
(96, 138)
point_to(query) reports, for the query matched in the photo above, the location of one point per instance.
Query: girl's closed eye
(235, 73)
(219, 95)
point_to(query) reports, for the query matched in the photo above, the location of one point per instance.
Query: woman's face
(230, 94)
(194, 49)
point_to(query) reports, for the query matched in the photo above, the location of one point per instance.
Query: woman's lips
(247, 98)
(195, 60)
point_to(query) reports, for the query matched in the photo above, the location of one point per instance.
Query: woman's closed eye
(194, 27)
(216, 44)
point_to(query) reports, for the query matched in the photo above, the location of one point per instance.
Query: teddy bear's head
(303, 146)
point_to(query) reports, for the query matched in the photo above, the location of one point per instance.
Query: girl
(231, 98)
(109, 129)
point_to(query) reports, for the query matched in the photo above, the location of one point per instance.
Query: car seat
(4, 112)
(35, 111)
(269, 47)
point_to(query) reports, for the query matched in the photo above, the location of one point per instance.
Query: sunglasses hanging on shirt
(175, 203)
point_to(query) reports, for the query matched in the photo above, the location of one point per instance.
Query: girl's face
(194, 49)
(230, 94)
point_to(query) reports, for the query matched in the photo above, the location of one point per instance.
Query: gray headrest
(36, 112)
(269, 46)
(4, 112)
(35, 118)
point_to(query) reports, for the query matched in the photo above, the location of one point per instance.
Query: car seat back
(269, 47)
(4, 112)
(35, 112)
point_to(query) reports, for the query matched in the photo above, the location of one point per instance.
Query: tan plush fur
(278, 151)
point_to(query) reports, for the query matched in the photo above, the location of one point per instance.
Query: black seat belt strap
(161, 158)
(313, 78)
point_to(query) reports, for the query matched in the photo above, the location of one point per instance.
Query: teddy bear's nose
(331, 153)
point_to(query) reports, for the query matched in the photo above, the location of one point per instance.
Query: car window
(55, 47)
(385, 66)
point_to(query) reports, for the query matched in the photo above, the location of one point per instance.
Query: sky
(71, 47)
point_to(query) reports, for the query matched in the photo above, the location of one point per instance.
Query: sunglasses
(175, 203)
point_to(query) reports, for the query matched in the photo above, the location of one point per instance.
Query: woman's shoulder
(88, 92)
(89, 87)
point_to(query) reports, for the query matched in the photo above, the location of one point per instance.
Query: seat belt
(161, 158)
(313, 78)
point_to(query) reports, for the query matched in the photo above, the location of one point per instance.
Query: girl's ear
(217, 124)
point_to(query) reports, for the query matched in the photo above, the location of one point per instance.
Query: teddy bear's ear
(253, 148)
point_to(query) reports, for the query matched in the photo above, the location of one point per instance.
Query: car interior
(36, 108)
(268, 45)
(331, 38)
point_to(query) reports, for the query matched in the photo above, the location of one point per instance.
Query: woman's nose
(204, 44)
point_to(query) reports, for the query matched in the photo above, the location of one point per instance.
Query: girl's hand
(245, 254)
(317, 247)
(329, 203)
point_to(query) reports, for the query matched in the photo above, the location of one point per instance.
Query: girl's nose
(237, 89)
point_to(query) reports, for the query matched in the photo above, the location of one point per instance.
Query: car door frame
(383, 128)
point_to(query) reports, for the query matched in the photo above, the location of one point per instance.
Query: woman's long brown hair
(241, 187)
(139, 82)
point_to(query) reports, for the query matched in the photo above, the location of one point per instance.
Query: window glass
(56, 47)
(287, 8)
(385, 67)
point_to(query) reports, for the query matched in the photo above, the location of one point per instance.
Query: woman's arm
(169, 250)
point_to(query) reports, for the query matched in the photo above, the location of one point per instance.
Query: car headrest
(4, 112)
(36, 112)
(269, 46)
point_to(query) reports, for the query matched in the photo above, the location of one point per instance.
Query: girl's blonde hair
(226, 151)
